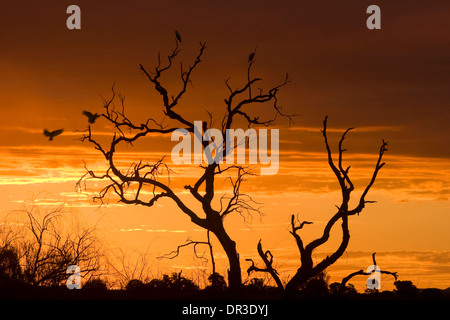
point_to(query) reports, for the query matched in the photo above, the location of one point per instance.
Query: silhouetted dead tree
(308, 269)
(48, 242)
(267, 258)
(365, 273)
(148, 176)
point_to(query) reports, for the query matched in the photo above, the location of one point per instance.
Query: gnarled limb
(267, 258)
(294, 233)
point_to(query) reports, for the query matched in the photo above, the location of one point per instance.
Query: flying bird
(177, 34)
(52, 134)
(91, 117)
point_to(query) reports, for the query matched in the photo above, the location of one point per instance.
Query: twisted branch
(267, 258)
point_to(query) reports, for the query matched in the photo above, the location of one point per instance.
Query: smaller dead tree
(308, 269)
(267, 258)
(48, 242)
(367, 273)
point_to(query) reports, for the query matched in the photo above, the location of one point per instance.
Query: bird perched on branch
(91, 117)
(251, 57)
(177, 34)
(52, 134)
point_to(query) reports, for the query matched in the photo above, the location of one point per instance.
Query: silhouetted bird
(251, 57)
(177, 34)
(52, 134)
(91, 117)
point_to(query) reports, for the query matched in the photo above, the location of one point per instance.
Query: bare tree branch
(364, 273)
(295, 228)
(267, 258)
(175, 253)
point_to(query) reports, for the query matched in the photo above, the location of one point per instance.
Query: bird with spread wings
(91, 116)
(52, 134)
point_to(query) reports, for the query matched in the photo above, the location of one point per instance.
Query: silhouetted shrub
(406, 289)
(257, 289)
(343, 291)
(134, 285)
(174, 285)
(431, 294)
(180, 283)
(217, 281)
(9, 264)
(256, 284)
(316, 287)
(11, 277)
(217, 288)
(160, 284)
(95, 284)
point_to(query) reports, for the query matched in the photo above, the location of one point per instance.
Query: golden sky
(390, 84)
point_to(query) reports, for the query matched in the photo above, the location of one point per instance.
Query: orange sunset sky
(390, 84)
